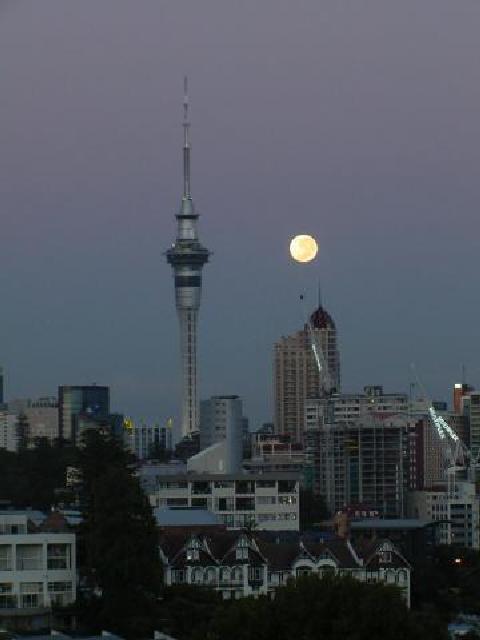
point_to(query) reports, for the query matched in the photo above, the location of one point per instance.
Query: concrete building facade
(269, 501)
(457, 513)
(37, 566)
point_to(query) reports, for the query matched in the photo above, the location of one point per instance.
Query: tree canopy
(329, 608)
(119, 560)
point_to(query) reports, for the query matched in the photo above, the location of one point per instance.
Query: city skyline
(355, 125)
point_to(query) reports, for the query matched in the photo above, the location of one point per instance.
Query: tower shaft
(187, 257)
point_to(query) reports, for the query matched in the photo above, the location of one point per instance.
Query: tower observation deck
(187, 257)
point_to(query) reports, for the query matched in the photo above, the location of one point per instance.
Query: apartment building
(37, 566)
(362, 462)
(296, 372)
(239, 565)
(268, 501)
(457, 512)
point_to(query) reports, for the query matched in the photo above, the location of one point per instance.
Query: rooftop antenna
(186, 141)
(464, 374)
(319, 294)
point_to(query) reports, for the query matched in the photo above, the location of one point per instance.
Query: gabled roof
(370, 552)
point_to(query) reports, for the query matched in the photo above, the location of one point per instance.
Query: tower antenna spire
(319, 293)
(186, 141)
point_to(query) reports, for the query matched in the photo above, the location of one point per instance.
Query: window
(200, 503)
(287, 500)
(29, 557)
(192, 554)
(171, 485)
(31, 594)
(224, 504)
(266, 484)
(201, 488)
(266, 499)
(60, 593)
(287, 516)
(245, 504)
(237, 575)
(178, 576)
(224, 484)
(5, 557)
(197, 575)
(224, 574)
(210, 575)
(241, 553)
(177, 502)
(255, 573)
(58, 556)
(245, 486)
(287, 486)
(7, 599)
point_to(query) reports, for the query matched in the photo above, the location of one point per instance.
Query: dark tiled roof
(219, 548)
(281, 556)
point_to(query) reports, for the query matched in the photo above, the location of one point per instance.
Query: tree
(312, 509)
(329, 608)
(120, 559)
(31, 477)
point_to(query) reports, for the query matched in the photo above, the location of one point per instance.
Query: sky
(354, 121)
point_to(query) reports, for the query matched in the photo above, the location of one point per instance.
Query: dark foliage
(30, 477)
(119, 552)
(331, 608)
(448, 582)
(312, 509)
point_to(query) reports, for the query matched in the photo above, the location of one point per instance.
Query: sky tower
(187, 257)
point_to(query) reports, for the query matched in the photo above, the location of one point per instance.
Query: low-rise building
(37, 568)
(268, 501)
(273, 454)
(241, 564)
(457, 512)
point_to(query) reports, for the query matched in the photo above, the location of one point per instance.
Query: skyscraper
(92, 401)
(187, 257)
(296, 372)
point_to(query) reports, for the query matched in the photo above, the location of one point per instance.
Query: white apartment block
(457, 513)
(9, 434)
(221, 416)
(270, 501)
(37, 567)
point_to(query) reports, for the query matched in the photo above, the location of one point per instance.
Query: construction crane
(459, 457)
(317, 349)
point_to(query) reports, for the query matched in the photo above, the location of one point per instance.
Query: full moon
(303, 248)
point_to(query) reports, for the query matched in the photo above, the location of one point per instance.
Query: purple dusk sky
(355, 121)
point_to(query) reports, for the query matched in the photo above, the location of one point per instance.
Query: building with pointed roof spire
(297, 374)
(187, 257)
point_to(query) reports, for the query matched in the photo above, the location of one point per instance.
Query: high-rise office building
(187, 258)
(92, 401)
(144, 440)
(297, 375)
